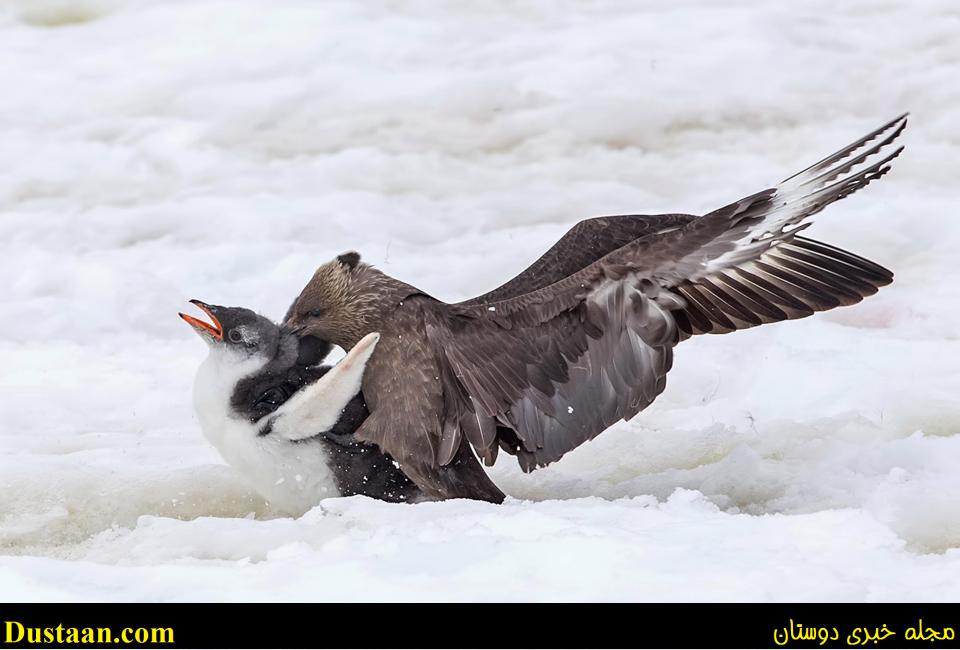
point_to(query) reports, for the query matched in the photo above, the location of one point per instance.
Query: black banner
(477, 626)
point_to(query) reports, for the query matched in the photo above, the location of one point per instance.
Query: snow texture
(155, 151)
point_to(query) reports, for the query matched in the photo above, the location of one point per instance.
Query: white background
(152, 152)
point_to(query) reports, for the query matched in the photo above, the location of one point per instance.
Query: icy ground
(152, 152)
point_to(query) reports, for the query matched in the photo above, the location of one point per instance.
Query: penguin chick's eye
(315, 313)
(235, 336)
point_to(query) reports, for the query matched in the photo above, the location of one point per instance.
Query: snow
(157, 151)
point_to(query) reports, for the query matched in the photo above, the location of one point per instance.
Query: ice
(158, 151)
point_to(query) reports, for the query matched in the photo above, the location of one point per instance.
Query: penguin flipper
(318, 407)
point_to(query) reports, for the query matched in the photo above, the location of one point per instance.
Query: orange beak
(214, 328)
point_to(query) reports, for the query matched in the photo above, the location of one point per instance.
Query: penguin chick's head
(235, 329)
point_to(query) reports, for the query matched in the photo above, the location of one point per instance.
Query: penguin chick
(283, 421)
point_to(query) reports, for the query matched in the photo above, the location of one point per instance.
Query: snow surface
(158, 151)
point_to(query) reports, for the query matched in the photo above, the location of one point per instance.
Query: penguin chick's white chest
(292, 476)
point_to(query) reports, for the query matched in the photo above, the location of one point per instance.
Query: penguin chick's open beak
(214, 329)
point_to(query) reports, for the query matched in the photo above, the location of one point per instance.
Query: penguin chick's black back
(358, 468)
